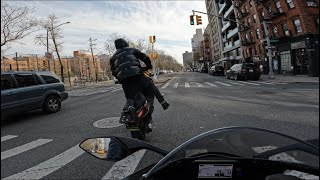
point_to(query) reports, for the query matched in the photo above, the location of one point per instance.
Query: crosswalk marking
(7, 137)
(125, 167)
(23, 148)
(236, 83)
(249, 83)
(45, 168)
(175, 85)
(223, 83)
(198, 84)
(167, 84)
(186, 84)
(210, 84)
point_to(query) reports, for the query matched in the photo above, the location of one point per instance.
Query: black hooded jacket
(125, 61)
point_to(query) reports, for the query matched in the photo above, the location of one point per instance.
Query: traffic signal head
(44, 63)
(199, 20)
(154, 39)
(191, 20)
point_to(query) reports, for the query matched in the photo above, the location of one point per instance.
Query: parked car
(216, 70)
(204, 70)
(244, 71)
(26, 91)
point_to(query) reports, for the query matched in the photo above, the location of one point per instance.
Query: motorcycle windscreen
(246, 142)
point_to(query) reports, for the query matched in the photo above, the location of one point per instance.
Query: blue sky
(168, 20)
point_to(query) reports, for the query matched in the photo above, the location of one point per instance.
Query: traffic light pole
(154, 62)
(269, 50)
(267, 38)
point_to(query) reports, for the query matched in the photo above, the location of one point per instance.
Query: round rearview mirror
(105, 148)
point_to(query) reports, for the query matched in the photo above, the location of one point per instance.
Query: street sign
(48, 55)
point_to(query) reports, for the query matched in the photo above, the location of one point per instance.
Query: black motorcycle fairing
(246, 142)
(244, 168)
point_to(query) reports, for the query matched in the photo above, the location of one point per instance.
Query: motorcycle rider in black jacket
(126, 67)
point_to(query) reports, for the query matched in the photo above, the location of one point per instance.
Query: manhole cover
(265, 93)
(111, 122)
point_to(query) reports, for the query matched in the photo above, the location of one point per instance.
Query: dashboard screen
(215, 171)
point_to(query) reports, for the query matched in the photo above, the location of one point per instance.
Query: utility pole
(94, 64)
(17, 61)
(68, 71)
(37, 62)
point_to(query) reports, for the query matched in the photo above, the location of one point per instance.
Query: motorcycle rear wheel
(141, 135)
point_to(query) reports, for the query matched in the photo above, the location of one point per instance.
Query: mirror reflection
(105, 148)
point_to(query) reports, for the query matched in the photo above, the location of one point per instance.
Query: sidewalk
(160, 80)
(291, 78)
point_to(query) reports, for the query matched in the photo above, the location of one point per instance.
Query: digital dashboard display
(215, 171)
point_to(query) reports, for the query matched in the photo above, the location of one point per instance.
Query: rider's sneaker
(148, 128)
(165, 105)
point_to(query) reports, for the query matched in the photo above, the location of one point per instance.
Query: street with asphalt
(36, 145)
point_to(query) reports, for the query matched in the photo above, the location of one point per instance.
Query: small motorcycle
(139, 121)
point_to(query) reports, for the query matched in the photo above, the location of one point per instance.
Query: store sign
(298, 45)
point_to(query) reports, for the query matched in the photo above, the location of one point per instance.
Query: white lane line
(116, 90)
(269, 83)
(236, 83)
(210, 84)
(198, 84)
(250, 83)
(45, 168)
(125, 167)
(7, 137)
(223, 83)
(20, 149)
(175, 85)
(186, 84)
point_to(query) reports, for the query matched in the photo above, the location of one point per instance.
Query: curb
(70, 88)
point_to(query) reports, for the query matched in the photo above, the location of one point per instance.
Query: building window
(251, 4)
(249, 21)
(285, 29)
(258, 33)
(285, 57)
(278, 5)
(290, 4)
(254, 18)
(297, 25)
(311, 3)
(251, 36)
(275, 31)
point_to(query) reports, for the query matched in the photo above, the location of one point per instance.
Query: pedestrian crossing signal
(199, 20)
(191, 20)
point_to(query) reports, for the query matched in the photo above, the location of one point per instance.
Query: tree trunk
(61, 65)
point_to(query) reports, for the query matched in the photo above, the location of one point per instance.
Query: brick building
(295, 23)
(250, 30)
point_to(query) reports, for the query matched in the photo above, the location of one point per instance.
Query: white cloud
(168, 20)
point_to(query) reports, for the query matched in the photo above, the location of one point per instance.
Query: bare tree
(55, 34)
(16, 22)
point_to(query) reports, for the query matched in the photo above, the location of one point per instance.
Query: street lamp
(48, 38)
